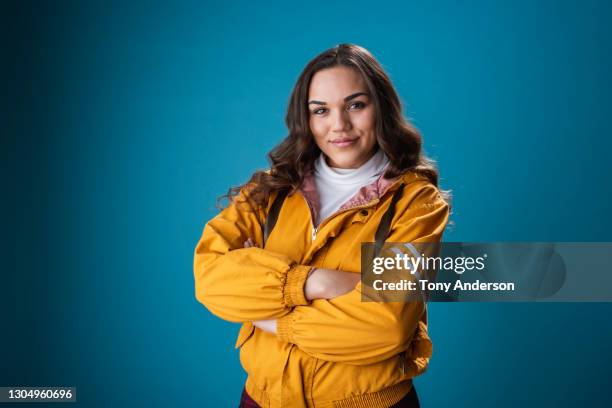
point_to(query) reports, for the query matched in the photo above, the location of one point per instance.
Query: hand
(266, 325)
(249, 243)
(324, 283)
(329, 283)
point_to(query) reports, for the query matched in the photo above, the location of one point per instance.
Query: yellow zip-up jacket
(327, 353)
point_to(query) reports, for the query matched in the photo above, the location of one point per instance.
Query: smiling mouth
(343, 141)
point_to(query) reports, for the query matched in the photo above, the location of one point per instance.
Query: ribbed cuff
(293, 291)
(284, 328)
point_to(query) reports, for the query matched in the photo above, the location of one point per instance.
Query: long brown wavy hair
(294, 157)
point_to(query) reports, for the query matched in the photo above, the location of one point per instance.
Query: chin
(346, 163)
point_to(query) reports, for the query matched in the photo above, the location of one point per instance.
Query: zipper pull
(314, 233)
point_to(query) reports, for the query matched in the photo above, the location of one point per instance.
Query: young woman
(283, 258)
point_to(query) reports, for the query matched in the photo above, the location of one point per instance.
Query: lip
(343, 142)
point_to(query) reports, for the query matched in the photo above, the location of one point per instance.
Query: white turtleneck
(336, 186)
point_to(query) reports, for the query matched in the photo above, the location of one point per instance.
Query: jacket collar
(363, 197)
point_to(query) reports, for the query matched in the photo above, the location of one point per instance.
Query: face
(342, 117)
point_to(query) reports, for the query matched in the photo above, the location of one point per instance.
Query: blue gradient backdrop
(123, 122)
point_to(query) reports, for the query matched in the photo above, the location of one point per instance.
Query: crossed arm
(320, 284)
(318, 310)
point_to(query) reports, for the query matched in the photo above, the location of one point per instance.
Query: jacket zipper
(315, 230)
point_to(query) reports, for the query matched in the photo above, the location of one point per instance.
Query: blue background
(122, 123)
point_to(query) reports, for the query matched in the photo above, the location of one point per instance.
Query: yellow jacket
(327, 353)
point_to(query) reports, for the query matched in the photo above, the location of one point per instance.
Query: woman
(284, 257)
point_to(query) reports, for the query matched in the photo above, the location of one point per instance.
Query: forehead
(336, 83)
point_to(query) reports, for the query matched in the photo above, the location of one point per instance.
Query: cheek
(318, 128)
(365, 121)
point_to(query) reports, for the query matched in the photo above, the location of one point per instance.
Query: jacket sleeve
(345, 329)
(244, 284)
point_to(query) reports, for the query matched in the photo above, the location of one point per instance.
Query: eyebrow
(348, 98)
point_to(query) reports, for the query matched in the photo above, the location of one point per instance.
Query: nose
(341, 121)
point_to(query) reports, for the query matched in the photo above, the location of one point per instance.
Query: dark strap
(272, 215)
(382, 232)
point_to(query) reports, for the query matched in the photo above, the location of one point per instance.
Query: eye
(356, 105)
(319, 111)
